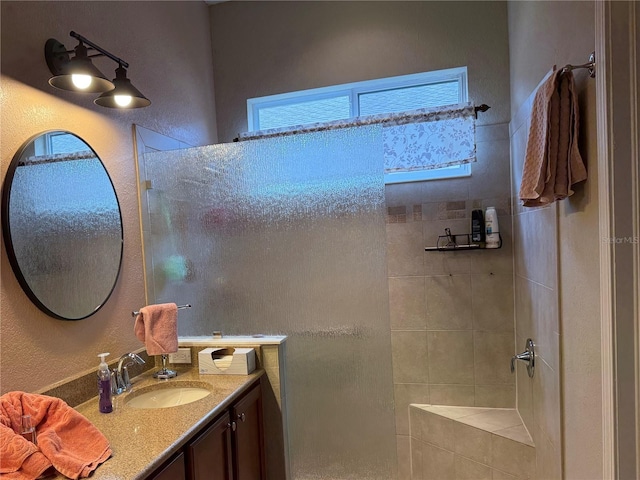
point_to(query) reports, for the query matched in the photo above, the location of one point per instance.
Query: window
(385, 95)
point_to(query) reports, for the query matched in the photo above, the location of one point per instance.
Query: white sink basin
(167, 395)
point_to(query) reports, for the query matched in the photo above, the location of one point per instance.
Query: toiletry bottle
(104, 385)
(492, 230)
(477, 227)
(28, 430)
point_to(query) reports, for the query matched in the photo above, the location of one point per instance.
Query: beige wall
(265, 48)
(556, 254)
(451, 314)
(167, 45)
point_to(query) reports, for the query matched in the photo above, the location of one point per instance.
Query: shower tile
(517, 433)
(491, 133)
(453, 412)
(535, 245)
(496, 396)
(403, 194)
(437, 430)
(448, 303)
(466, 469)
(445, 190)
(404, 395)
(494, 420)
(496, 260)
(415, 421)
(500, 475)
(492, 302)
(525, 395)
(437, 463)
(546, 319)
(403, 447)
(409, 356)
(407, 303)
(451, 357)
(430, 211)
(416, 459)
(405, 249)
(472, 442)
(546, 401)
(512, 457)
(461, 395)
(525, 292)
(548, 458)
(492, 354)
(491, 172)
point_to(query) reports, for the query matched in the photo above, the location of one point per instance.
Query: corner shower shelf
(457, 242)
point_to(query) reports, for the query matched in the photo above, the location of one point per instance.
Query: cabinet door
(209, 455)
(174, 470)
(249, 437)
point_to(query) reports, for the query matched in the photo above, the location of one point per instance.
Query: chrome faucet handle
(528, 356)
(122, 381)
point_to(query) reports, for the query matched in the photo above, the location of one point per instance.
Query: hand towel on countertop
(67, 441)
(156, 326)
(552, 161)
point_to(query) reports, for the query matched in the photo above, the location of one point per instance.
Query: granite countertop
(142, 439)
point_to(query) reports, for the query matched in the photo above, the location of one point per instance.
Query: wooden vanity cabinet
(229, 448)
(209, 454)
(248, 438)
(173, 470)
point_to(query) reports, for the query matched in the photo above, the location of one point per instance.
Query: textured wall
(167, 45)
(556, 259)
(265, 48)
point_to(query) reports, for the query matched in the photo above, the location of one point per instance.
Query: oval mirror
(62, 225)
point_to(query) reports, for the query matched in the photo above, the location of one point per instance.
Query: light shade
(66, 72)
(124, 95)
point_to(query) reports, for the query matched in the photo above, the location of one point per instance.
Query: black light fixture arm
(82, 39)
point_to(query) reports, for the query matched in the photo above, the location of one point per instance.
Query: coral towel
(156, 326)
(552, 161)
(67, 441)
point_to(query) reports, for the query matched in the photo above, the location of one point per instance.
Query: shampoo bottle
(104, 385)
(492, 230)
(477, 227)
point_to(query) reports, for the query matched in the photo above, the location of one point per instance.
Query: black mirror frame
(6, 229)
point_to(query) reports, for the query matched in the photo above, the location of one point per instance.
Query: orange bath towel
(67, 441)
(156, 326)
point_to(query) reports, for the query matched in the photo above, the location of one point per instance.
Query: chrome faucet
(120, 381)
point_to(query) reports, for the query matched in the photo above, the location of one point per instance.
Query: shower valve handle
(528, 356)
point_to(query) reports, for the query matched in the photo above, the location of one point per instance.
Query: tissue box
(227, 361)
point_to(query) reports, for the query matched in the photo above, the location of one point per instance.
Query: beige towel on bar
(552, 161)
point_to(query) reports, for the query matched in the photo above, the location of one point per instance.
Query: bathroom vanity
(218, 436)
(230, 447)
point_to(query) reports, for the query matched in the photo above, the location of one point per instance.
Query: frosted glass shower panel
(286, 236)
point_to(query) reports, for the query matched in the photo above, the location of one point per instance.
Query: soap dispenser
(104, 385)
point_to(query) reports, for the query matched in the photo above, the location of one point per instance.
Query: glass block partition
(286, 236)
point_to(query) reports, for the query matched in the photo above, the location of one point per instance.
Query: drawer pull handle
(242, 417)
(232, 426)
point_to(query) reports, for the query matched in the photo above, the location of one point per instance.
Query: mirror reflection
(62, 225)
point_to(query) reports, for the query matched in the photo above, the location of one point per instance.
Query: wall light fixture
(79, 74)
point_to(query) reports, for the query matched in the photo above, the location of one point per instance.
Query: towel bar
(590, 65)
(180, 307)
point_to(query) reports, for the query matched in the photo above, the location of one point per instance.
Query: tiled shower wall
(537, 311)
(452, 323)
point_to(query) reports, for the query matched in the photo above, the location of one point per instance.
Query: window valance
(420, 139)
